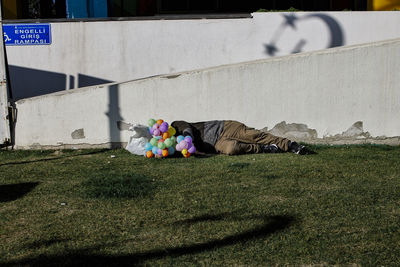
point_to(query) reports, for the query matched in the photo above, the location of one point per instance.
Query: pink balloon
(157, 132)
(159, 152)
(183, 144)
(151, 131)
(178, 147)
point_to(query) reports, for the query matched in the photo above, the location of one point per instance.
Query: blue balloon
(180, 138)
(148, 147)
(154, 150)
(171, 150)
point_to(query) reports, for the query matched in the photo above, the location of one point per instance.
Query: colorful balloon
(154, 150)
(168, 142)
(188, 139)
(178, 147)
(171, 131)
(171, 150)
(192, 150)
(153, 141)
(165, 135)
(165, 152)
(161, 145)
(151, 122)
(183, 144)
(180, 138)
(159, 121)
(157, 132)
(149, 154)
(164, 127)
(148, 147)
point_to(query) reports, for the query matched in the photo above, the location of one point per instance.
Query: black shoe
(270, 149)
(299, 149)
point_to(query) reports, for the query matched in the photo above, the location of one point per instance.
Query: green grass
(291, 9)
(84, 207)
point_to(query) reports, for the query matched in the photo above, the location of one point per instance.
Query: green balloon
(151, 122)
(161, 145)
(153, 141)
(168, 142)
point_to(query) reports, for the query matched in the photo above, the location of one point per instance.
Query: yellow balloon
(171, 131)
(184, 151)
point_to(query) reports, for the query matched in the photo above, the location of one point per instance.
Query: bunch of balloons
(185, 145)
(163, 142)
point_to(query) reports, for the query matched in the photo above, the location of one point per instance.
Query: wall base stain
(355, 134)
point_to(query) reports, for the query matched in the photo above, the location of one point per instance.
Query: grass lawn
(108, 207)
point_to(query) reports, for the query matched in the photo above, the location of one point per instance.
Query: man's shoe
(270, 149)
(299, 149)
(304, 151)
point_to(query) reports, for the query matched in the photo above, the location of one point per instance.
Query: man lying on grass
(234, 138)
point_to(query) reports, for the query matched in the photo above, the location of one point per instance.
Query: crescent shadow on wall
(336, 32)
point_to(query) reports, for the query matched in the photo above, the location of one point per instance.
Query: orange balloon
(149, 154)
(165, 152)
(165, 135)
(187, 155)
(159, 121)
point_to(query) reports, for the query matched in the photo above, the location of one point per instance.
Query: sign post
(5, 137)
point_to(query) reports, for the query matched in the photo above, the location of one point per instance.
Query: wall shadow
(85, 80)
(28, 82)
(87, 257)
(11, 192)
(114, 116)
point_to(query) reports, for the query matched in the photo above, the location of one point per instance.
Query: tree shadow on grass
(53, 158)
(10, 192)
(85, 257)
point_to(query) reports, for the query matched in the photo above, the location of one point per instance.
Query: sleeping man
(234, 138)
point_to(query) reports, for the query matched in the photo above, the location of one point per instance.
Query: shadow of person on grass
(87, 257)
(10, 192)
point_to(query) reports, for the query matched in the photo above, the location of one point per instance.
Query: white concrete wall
(4, 122)
(327, 90)
(125, 50)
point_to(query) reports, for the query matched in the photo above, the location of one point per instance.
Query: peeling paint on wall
(78, 134)
(293, 131)
(355, 134)
(356, 130)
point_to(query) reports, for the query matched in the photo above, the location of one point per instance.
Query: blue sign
(27, 34)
